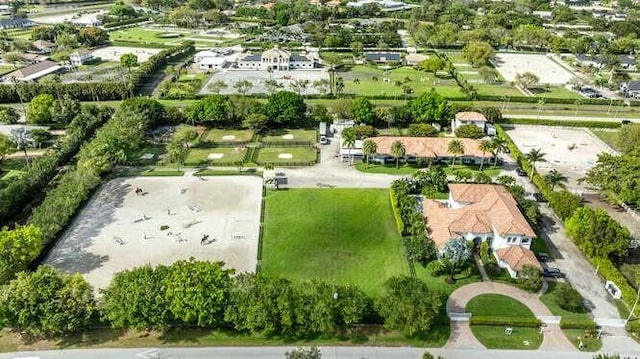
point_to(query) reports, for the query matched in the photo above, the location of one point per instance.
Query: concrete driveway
(331, 172)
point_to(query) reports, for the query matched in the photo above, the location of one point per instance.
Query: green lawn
(283, 135)
(279, 155)
(200, 155)
(156, 149)
(493, 337)
(188, 84)
(503, 89)
(141, 35)
(345, 236)
(497, 305)
(558, 92)
(591, 344)
(218, 135)
(419, 81)
(610, 137)
(548, 298)
(405, 169)
(158, 172)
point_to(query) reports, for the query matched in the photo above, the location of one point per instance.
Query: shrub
(422, 130)
(469, 131)
(361, 131)
(502, 321)
(529, 279)
(577, 323)
(564, 203)
(568, 298)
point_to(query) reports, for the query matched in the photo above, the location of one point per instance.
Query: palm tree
(555, 178)
(485, 146)
(398, 150)
(368, 148)
(499, 146)
(349, 141)
(455, 147)
(535, 155)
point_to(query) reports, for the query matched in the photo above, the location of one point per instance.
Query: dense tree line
(192, 293)
(17, 194)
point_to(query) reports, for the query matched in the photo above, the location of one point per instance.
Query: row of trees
(205, 294)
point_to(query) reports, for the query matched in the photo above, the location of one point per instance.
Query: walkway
(461, 335)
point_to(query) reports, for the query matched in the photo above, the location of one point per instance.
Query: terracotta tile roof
(470, 116)
(41, 44)
(486, 207)
(517, 257)
(429, 146)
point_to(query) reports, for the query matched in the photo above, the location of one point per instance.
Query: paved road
(278, 353)
(554, 339)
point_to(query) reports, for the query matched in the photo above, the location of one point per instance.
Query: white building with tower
(278, 60)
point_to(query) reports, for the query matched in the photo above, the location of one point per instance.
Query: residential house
(432, 149)
(33, 72)
(80, 57)
(34, 58)
(43, 46)
(626, 62)
(468, 118)
(277, 59)
(383, 57)
(483, 213)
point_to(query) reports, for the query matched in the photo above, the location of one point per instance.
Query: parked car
(539, 197)
(521, 172)
(552, 273)
(542, 256)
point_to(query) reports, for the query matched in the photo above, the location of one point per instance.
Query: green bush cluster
(577, 323)
(136, 20)
(17, 194)
(158, 61)
(502, 321)
(568, 298)
(533, 99)
(561, 123)
(82, 91)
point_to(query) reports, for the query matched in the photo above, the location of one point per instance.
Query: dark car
(542, 256)
(539, 197)
(521, 172)
(552, 273)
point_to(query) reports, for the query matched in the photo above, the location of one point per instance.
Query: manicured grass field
(610, 137)
(217, 135)
(559, 92)
(345, 236)
(493, 337)
(503, 89)
(497, 305)
(439, 284)
(138, 34)
(291, 136)
(200, 155)
(548, 298)
(420, 82)
(279, 155)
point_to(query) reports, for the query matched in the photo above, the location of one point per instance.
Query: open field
(549, 72)
(610, 137)
(284, 155)
(201, 155)
(345, 236)
(119, 230)
(147, 36)
(497, 305)
(555, 143)
(557, 92)
(418, 81)
(113, 53)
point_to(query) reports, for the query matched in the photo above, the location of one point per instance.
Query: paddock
(120, 229)
(548, 71)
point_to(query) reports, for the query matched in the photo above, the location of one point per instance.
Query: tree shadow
(548, 225)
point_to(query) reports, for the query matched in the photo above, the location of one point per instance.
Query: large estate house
(276, 59)
(483, 213)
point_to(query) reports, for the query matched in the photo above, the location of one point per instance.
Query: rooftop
(470, 116)
(517, 257)
(428, 146)
(488, 207)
